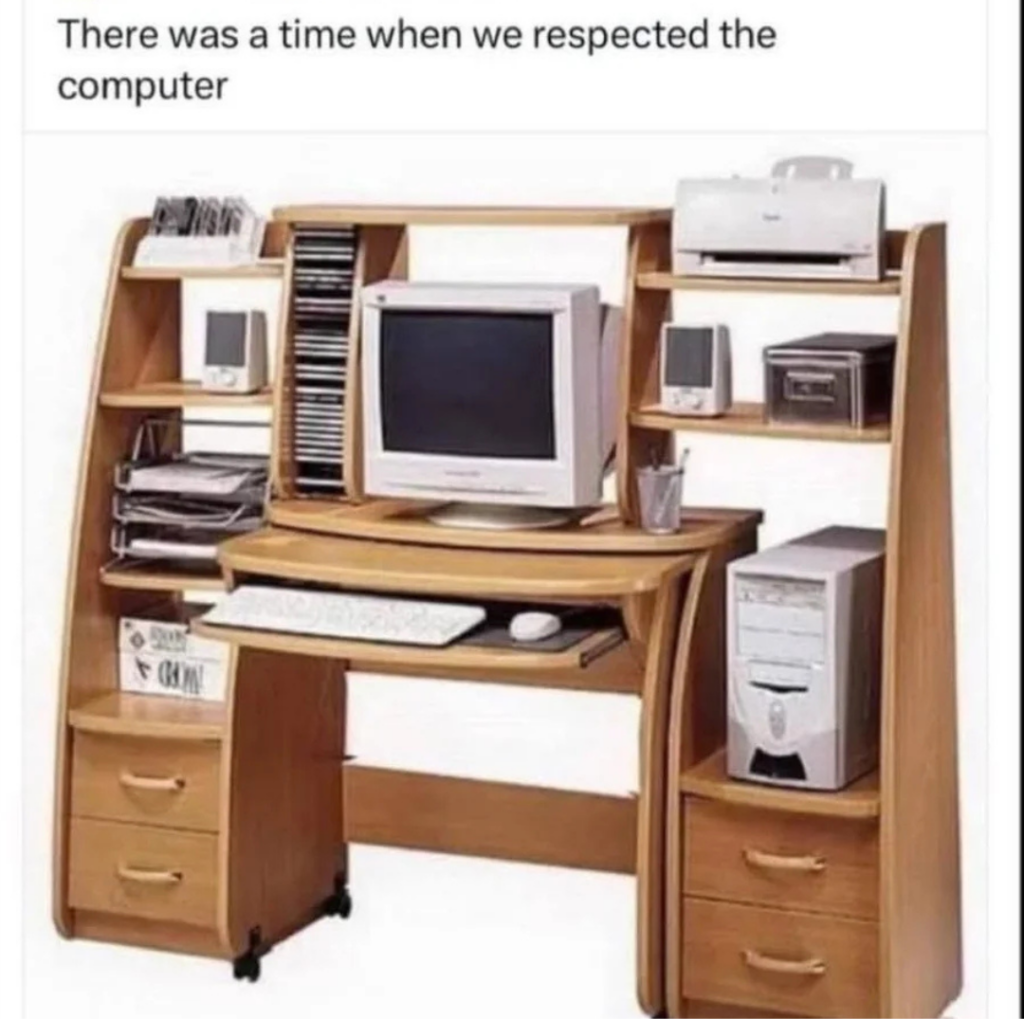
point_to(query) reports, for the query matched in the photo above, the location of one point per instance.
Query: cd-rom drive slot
(323, 282)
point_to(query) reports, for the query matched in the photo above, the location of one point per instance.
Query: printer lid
(780, 215)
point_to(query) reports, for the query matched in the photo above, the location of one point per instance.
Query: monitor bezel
(572, 477)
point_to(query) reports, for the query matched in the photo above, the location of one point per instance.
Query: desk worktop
(600, 531)
(420, 569)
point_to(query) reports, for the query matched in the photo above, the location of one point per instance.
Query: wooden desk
(656, 593)
(220, 828)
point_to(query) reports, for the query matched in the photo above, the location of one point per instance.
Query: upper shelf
(887, 287)
(748, 419)
(858, 801)
(469, 215)
(171, 395)
(420, 569)
(260, 270)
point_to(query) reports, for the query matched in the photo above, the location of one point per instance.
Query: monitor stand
(481, 517)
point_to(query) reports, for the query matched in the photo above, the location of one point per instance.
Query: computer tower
(805, 659)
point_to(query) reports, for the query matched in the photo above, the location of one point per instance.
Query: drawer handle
(172, 784)
(148, 877)
(789, 967)
(770, 861)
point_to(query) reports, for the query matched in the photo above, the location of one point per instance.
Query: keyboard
(345, 616)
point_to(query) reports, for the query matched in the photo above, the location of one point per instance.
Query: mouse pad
(578, 626)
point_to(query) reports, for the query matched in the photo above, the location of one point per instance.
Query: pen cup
(661, 496)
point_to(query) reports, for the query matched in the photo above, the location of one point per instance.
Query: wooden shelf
(887, 287)
(457, 656)
(709, 779)
(748, 419)
(420, 569)
(171, 395)
(258, 270)
(133, 714)
(156, 578)
(469, 215)
(600, 531)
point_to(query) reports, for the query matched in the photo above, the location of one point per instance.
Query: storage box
(156, 251)
(832, 378)
(158, 657)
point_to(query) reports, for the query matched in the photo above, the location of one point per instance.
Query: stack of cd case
(322, 289)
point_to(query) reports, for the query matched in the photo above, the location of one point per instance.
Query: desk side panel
(921, 922)
(137, 344)
(283, 826)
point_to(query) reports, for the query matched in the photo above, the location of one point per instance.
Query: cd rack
(323, 279)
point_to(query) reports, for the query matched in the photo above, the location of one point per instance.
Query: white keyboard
(345, 616)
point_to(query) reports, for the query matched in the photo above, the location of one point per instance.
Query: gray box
(805, 659)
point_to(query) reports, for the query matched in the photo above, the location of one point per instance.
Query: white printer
(810, 220)
(804, 659)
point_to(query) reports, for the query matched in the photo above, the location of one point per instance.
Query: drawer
(772, 858)
(141, 871)
(778, 960)
(172, 783)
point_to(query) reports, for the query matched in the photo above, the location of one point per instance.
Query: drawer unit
(778, 960)
(141, 871)
(772, 858)
(172, 783)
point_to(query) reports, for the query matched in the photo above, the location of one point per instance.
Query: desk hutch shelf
(172, 819)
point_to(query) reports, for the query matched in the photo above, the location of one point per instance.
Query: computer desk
(286, 710)
(218, 829)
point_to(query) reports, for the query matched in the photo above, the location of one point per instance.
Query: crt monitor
(488, 395)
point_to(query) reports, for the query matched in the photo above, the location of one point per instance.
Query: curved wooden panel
(136, 313)
(600, 531)
(696, 728)
(920, 909)
(678, 752)
(650, 868)
(416, 569)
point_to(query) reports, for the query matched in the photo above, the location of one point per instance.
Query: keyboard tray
(460, 657)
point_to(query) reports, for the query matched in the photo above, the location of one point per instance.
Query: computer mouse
(532, 626)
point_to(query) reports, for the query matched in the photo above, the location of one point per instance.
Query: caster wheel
(344, 904)
(339, 904)
(247, 968)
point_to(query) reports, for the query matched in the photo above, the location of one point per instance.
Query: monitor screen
(468, 383)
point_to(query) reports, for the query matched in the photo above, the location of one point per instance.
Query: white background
(875, 63)
(879, 64)
(431, 932)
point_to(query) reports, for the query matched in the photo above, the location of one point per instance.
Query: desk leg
(661, 646)
(696, 729)
(282, 825)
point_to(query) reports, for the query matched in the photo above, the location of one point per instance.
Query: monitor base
(481, 517)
